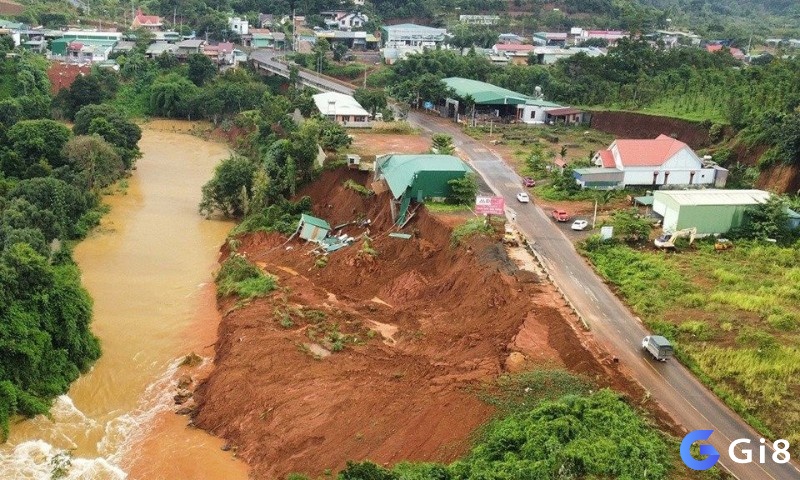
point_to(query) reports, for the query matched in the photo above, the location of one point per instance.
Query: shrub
(357, 187)
(784, 321)
(470, 228)
(240, 277)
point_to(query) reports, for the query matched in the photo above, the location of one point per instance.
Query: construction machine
(667, 240)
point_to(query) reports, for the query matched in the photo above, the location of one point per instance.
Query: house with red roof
(735, 52)
(518, 53)
(654, 162)
(148, 22)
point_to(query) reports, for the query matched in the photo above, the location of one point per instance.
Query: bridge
(269, 61)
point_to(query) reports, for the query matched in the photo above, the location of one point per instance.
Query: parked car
(560, 215)
(523, 197)
(579, 224)
(528, 182)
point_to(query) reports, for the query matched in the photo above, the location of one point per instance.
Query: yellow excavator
(667, 240)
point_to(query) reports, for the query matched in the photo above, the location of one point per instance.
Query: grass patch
(240, 277)
(441, 207)
(351, 184)
(394, 128)
(470, 228)
(734, 319)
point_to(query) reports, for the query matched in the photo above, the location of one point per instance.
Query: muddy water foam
(148, 268)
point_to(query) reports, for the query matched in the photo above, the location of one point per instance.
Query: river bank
(148, 267)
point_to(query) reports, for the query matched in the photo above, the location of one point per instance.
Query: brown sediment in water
(463, 315)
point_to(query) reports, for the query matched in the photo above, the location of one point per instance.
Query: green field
(734, 316)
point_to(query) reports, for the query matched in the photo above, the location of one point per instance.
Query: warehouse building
(416, 178)
(496, 103)
(710, 211)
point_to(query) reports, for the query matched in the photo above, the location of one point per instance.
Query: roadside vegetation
(51, 181)
(733, 315)
(550, 425)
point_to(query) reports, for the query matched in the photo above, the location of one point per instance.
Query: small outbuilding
(711, 211)
(313, 229)
(342, 109)
(418, 177)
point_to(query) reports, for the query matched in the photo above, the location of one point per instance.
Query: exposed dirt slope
(640, 125)
(423, 326)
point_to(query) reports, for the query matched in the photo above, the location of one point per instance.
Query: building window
(666, 178)
(691, 177)
(655, 177)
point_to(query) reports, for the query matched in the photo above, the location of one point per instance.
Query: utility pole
(365, 75)
(594, 219)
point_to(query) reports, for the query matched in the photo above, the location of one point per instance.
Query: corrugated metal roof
(485, 93)
(399, 170)
(334, 103)
(317, 222)
(714, 197)
(648, 152)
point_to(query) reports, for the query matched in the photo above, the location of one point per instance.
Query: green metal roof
(485, 93)
(92, 42)
(10, 25)
(646, 200)
(317, 222)
(541, 103)
(400, 170)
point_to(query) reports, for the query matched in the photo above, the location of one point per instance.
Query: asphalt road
(613, 325)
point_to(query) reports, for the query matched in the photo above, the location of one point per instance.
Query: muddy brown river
(148, 268)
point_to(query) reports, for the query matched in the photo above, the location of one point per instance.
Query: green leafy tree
(371, 99)
(463, 190)
(333, 136)
(630, 226)
(32, 141)
(115, 128)
(442, 144)
(95, 159)
(230, 188)
(339, 51)
(201, 69)
(767, 220)
(171, 96)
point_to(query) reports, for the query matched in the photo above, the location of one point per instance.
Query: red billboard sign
(490, 205)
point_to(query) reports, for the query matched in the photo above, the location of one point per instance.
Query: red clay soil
(434, 323)
(640, 125)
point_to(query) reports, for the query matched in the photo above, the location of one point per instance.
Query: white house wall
(644, 176)
(533, 114)
(684, 159)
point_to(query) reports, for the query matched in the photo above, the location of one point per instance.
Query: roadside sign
(490, 205)
(606, 232)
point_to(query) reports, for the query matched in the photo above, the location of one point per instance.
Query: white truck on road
(658, 346)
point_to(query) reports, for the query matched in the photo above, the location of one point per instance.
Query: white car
(523, 197)
(579, 224)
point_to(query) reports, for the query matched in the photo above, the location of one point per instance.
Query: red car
(560, 215)
(528, 182)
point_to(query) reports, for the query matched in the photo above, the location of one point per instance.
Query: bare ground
(425, 324)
